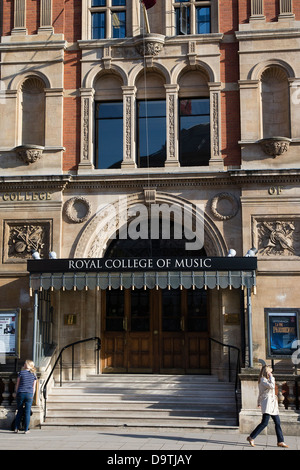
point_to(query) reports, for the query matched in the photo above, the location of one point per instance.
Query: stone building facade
(184, 104)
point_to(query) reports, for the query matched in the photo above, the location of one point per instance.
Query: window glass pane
(114, 310)
(171, 310)
(194, 138)
(109, 137)
(98, 26)
(203, 20)
(182, 20)
(117, 3)
(119, 24)
(98, 3)
(151, 133)
(140, 310)
(197, 310)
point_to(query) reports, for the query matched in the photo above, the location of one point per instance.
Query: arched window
(194, 119)
(275, 103)
(33, 111)
(109, 122)
(151, 120)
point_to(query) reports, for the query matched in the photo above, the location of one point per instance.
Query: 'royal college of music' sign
(141, 264)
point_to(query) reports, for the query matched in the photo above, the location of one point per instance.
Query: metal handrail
(59, 359)
(237, 371)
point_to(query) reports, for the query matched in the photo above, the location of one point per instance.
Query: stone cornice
(230, 178)
(33, 45)
(267, 34)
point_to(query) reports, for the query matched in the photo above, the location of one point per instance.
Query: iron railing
(59, 360)
(237, 370)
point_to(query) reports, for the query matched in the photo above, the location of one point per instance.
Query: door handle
(125, 324)
(182, 324)
(155, 332)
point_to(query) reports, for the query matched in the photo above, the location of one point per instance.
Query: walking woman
(25, 389)
(268, 402)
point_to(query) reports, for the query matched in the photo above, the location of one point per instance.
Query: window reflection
(194, 138)
(151, 133)
(109, 135)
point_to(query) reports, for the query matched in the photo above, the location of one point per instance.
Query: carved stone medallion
(230, 208)
(77, 209)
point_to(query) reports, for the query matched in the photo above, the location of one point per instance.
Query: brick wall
(229, 63)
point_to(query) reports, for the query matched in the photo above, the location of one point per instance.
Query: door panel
(155, 331)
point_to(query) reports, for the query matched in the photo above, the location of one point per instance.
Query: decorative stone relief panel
(23, 237)
(278, 236)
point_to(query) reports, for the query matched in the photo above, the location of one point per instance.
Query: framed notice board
(282, 328)
(10, 333)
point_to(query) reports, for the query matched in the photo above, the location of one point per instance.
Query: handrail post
(72, 361)
(61, 370)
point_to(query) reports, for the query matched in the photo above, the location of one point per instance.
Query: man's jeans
(264, 424)
(24, 402)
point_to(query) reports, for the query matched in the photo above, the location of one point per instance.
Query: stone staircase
(140, 401)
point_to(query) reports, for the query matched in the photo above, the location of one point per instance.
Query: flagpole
(146, 18)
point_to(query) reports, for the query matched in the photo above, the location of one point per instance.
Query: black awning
(146, 279)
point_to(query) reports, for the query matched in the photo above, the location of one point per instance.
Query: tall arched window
(275, 103)
(109, 121)
(194, 119)
(151, 120)
(33, 111)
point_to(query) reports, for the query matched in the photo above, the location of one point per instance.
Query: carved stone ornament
(29, 153)
(21, 238)
(275, 146)
(229, 213)
(77, 209)
(278, 237)
(149, 44)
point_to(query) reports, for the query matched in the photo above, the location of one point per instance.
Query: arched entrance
(154, 330)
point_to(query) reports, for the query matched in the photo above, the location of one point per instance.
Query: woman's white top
(267, 399)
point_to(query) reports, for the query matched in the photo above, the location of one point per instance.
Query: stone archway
(111, 217)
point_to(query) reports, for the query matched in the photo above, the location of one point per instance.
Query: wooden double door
(155, 331)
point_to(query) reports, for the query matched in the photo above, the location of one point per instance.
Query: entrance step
(152, 401)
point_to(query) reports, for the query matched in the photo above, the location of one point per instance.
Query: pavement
(157, 445)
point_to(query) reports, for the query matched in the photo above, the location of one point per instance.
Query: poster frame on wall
(10, 325)
(282, 328)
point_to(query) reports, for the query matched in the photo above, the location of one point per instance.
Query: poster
(282, 332)
(9, 334)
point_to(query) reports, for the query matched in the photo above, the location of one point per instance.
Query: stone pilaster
(86, 150)
(172, 158)
(19, 17)
(129, 150)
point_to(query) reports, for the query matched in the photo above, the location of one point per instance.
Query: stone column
(19, 17)
(46, 16)
(129, 149)
(215, 124)
(285, 10)
(172, 159)
(86, 146)
(257, 10)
